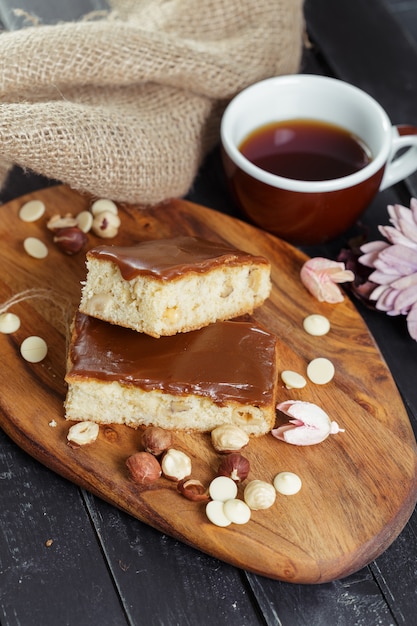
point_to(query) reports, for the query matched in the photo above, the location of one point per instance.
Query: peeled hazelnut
(56, 222)
(70, 240)
(193, 490)
(235, 466)
(143, 468)
(176, 465)
(82, 433)
(106, 224)
(259, 494)
(156, 440)
(229, 438)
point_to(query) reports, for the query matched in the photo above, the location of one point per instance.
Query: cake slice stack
(154, 341)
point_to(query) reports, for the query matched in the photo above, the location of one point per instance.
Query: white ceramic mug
(302, 211)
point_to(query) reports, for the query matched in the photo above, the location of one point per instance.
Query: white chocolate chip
(33, 349)
(320, 371)
(84, 221)
(32, 210)
(83, 433)
(35, 247)
(222, 488)
(215, 513)
(259, 494)
(104, 205)
(237, 511)
(316, 325)
(293, 380)
(9, 323)
(287, 483)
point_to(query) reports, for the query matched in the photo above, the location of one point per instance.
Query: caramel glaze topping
(226, 361)
(167, 259)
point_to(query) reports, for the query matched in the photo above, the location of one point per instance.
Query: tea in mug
(304, 149)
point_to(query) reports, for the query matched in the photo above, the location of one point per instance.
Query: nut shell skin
(143, 468)
(156, 440)
(70, 240)
(193, 490)
(235, 466)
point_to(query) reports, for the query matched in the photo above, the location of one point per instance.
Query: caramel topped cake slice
(223, 373)
(166, 286)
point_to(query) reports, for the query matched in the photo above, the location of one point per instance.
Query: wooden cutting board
(359, 486)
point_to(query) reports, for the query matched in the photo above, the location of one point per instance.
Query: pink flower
(308, 425)
(320, 276)
(394, 265)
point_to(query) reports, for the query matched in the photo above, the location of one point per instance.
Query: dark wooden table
(104, 567)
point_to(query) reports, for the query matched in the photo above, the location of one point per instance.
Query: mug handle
(397, 169)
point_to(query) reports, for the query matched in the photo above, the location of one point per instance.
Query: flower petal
(309, 424)
(413, 209)
(381, 278)
(320, 275)
(402, 258)
(409, 229)
(412, 322)
(405, 281)
(395, 236)
(405, 299)
(386, 300)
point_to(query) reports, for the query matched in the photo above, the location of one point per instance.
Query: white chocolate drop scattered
(84, 221)
(222, 488)
(35, 247)
(293, 380)
(320, 371)
(316, 325)
(83, 433)
(33, 349)
(237, 511)
(104, 205)
(287, 483)
(9, 323)
(259, 495)
(215, 513)
(32, 210)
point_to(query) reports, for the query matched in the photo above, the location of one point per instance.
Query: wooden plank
(163, 581)
(370, 520)
(51, 569)
(353, 601)
(395, 573)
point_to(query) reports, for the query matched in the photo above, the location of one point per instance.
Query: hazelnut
(229, 438)
(235, 466)
(259, 494)
(82, 433)
(70, 240)
(176, 465)
(156, 440)
(106, 224)
(56, 222)
(143, 468)
(193, 490)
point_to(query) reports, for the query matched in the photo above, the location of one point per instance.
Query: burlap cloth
(126, 105)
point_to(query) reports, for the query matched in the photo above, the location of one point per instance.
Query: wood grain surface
(359, 486)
